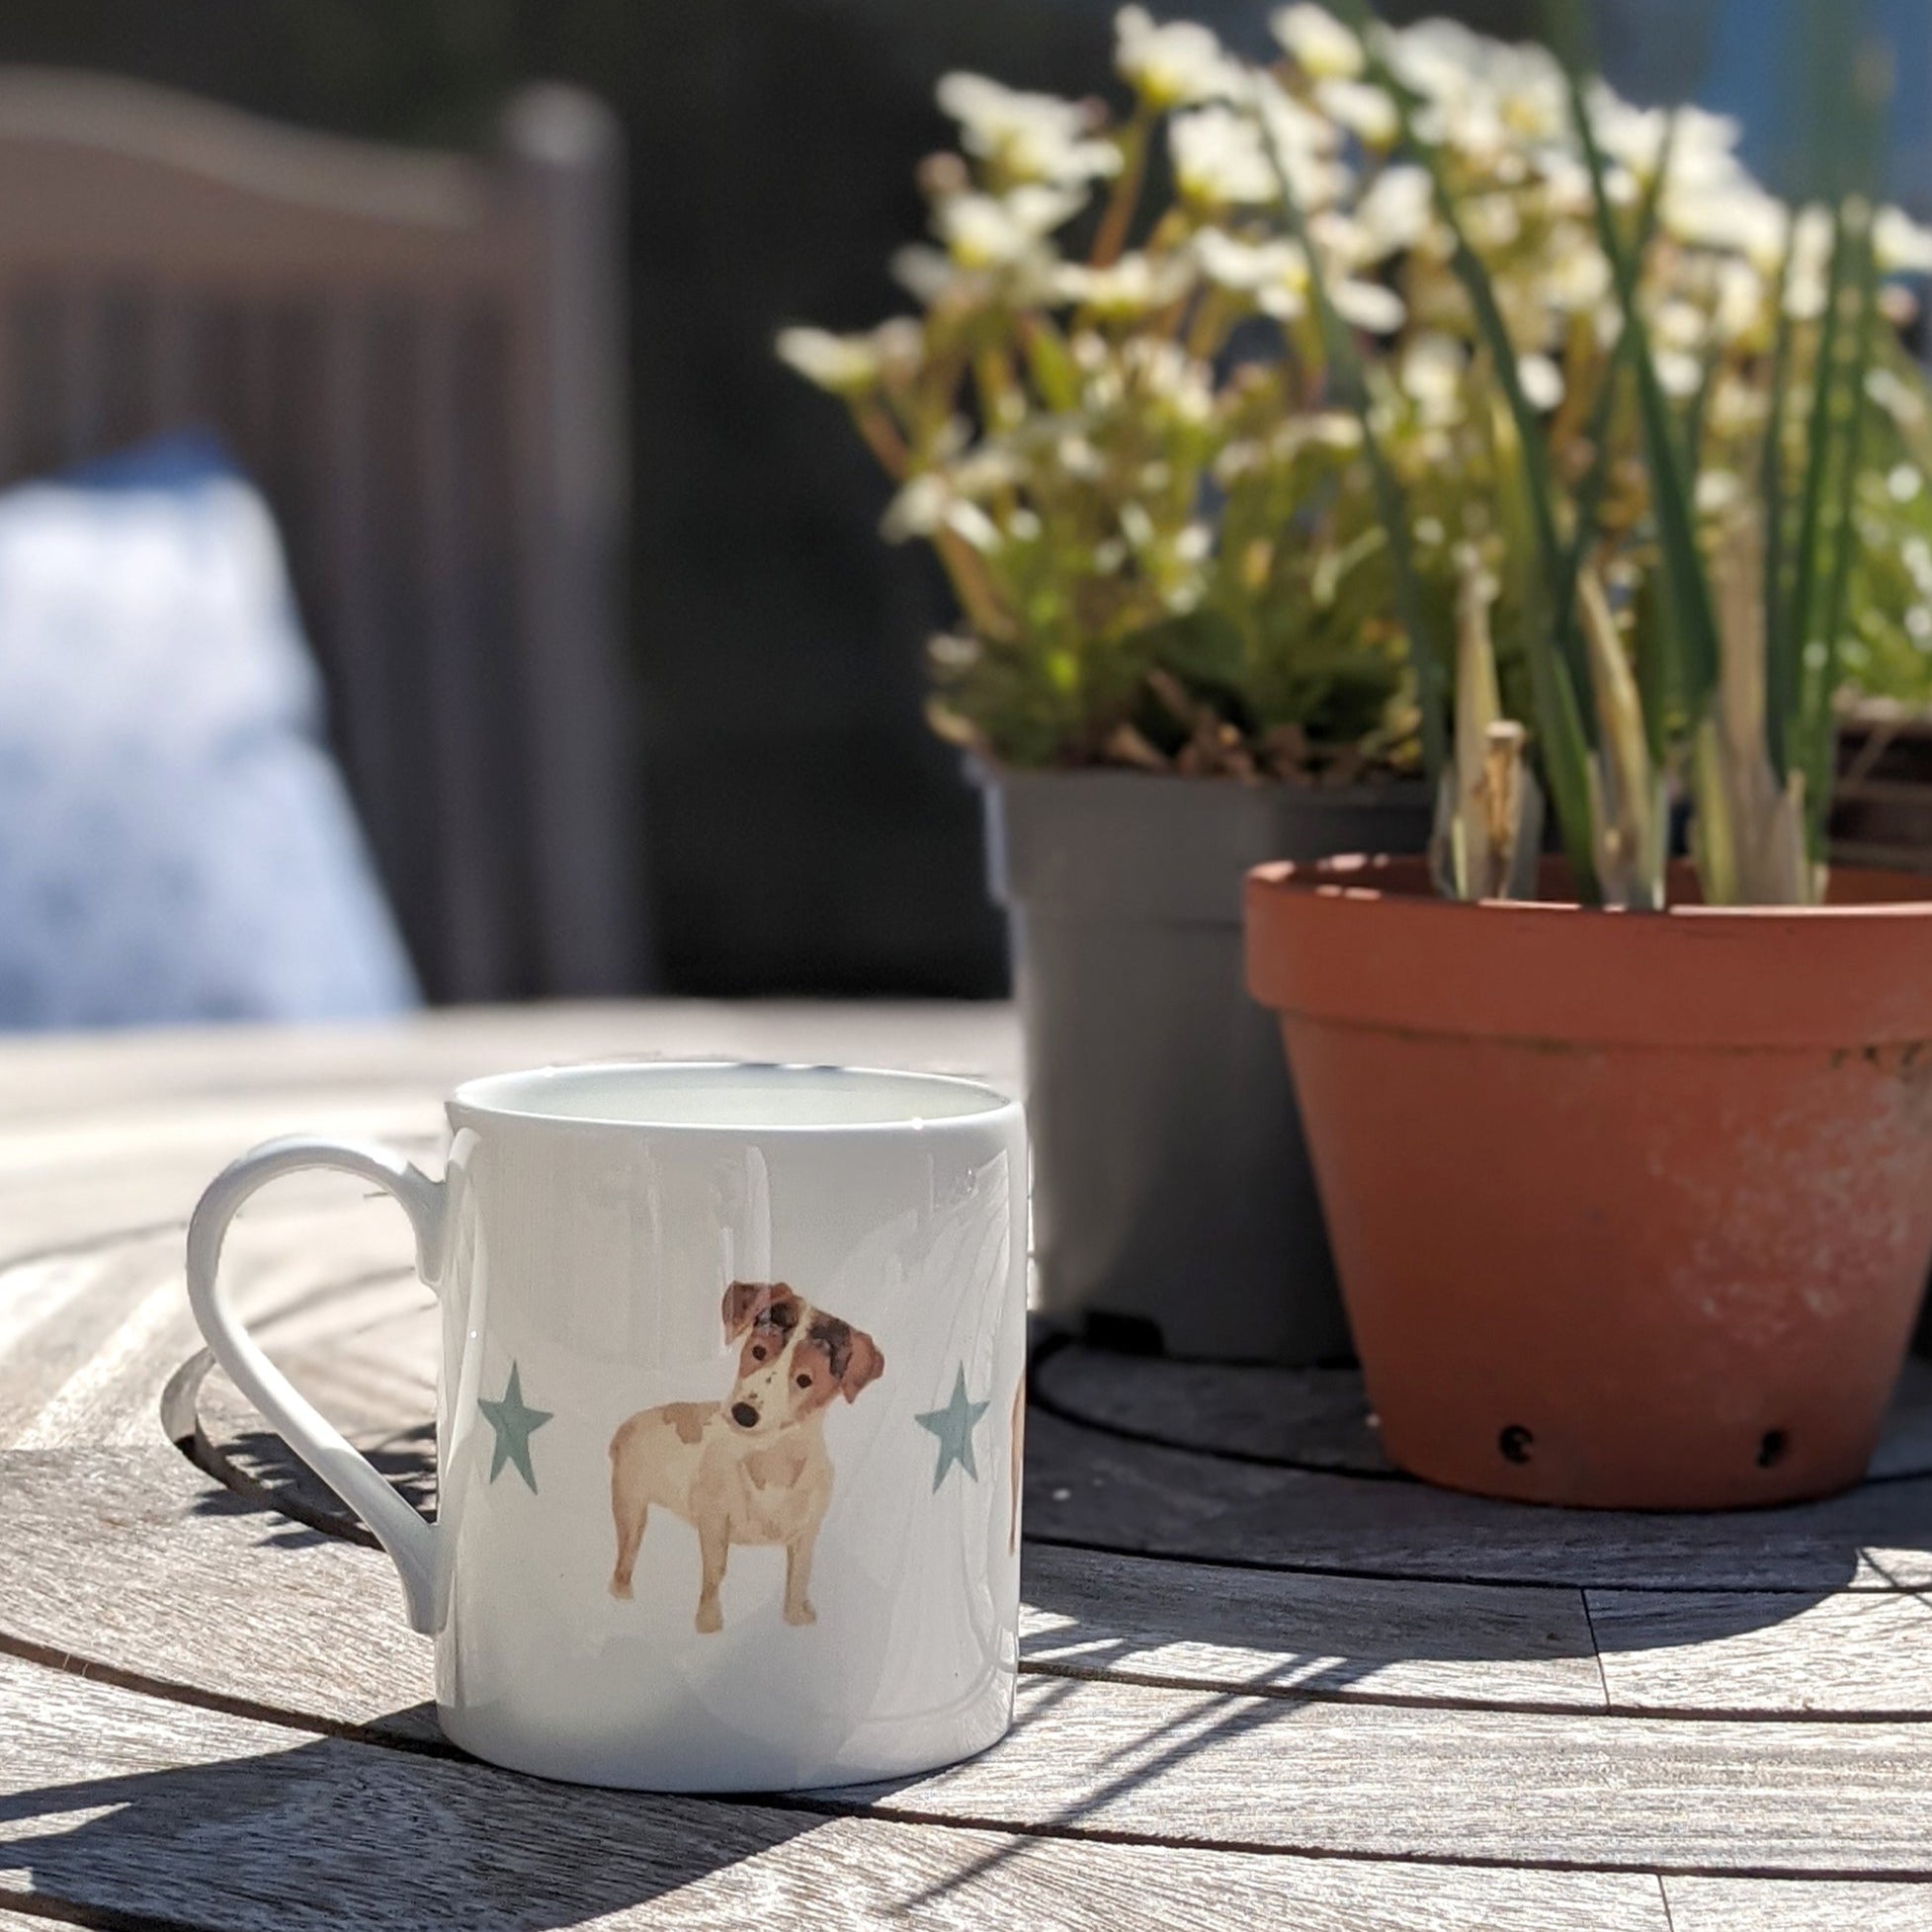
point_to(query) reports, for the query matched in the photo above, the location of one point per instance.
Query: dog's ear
(862, 1364)
(745, 1301)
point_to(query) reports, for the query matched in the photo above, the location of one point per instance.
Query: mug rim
(507, 1097)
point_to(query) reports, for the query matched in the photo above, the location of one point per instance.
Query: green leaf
(1558, 675)
(1350, 377)
(1603, 407)
(1817, 468)
(1780, 650)
(1202, 647)
(1694, 626)
(1818, 766)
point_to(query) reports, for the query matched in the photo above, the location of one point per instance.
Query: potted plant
(1202, 528)
(1627, 1160)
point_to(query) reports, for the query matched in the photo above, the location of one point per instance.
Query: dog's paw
(800, 1613)
(710, 1618)
(620, 1588)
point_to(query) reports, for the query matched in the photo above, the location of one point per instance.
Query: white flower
(1717, 491)
(1734, 215)
(1001, 231)
(989, 468)
(1175, 65)
(1367, 305)
(1303, 142)
(1395, 210)
(928, 504)
(1808, 237)
(1742, 306)
(1541, 381)
(1901, 245)
(1433, 370)
(1702, 145)
(1164, 372)
(1573, 271)
(1491, 221)
(1439, 59)
(1323, 47)
(846, 365)
(1482, 95)
(1365, 111)
(1273, 273)
(1077, 459)
(925, 274)
(1680, 373)
(1677, 324)
(1219, 160)
(1026, 136)
(1128, 287)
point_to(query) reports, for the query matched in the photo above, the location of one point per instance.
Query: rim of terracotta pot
(1854, 973)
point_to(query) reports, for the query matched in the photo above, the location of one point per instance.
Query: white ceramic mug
(728, 1419)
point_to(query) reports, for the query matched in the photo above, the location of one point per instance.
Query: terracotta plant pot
(1631, 1211)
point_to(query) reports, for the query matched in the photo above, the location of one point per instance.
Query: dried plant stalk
(1751, 846)
(1629, 814)
(1489, 806)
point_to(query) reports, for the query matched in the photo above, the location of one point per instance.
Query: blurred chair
(417, 359)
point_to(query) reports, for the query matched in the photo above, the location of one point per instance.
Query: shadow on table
(335, 1833)
(257, 1467)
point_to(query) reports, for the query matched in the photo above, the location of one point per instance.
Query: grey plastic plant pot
(1170, 1183)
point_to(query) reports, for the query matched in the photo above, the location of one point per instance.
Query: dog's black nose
(744, 1415)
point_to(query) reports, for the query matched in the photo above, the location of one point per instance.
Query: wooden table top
(1266, 1679)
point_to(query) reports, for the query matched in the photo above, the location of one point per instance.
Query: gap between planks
(862, 1805)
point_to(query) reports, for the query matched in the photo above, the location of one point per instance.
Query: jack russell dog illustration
(753, 1467)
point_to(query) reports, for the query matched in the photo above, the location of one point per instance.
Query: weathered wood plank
(1766, 1799)
(1774, 1906)
(1859, 1652)
(1255, 1629)
(1085, 1489)
(1097, 1491)
(134, 1559)
(106, 1304)
(1086, 1613)
(115, 1801)
(91, 1076)
(194, 1590)
(89, 1337)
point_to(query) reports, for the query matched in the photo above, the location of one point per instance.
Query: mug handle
(410, 1542)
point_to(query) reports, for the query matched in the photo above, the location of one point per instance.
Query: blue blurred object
(176, 843)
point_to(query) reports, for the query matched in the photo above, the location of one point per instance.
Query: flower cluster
(1118, 420)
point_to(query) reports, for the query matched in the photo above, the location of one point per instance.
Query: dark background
(803, 832)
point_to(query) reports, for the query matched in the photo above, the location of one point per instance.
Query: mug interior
(729, 1094)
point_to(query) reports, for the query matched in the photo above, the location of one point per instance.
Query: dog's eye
(758, 1354)
(804, 1381)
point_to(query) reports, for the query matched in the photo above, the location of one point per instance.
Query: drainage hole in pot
(1771, 1449)
(1514, 1443)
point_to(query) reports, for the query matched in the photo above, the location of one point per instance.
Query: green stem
(1818, 460)
(1347, 373)
(1589, 492)
(1817, 794)
(1695, 628)
(1781, 658)
(1111, 236)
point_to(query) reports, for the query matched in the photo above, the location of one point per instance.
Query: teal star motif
(515, 1423)
(954, 1426)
